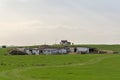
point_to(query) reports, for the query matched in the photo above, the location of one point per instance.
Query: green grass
(73, 67)
(3, 52)
(61, 67)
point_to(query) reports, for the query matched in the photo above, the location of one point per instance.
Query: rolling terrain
(61, 67)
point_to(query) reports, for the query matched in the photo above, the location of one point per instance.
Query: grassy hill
(61, 67)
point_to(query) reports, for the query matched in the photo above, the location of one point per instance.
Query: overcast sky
(31, 22)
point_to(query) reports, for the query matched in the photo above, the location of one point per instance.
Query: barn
(82, 50)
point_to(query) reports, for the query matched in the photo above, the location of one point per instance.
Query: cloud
(25, 22)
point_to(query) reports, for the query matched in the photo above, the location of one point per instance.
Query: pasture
(61, 67)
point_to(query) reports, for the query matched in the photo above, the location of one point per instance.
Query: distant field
(62, 67)
(106, 47)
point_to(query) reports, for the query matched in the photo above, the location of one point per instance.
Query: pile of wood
(16, 52)
(107, 52)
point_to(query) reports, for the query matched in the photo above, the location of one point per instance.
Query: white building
(50, 51)
(35, 51)
(62, 51)
(28, 51)
(65, 42)
(20, 49)
(54, 51)
(46, 51)
(82, 50)
(79, 50)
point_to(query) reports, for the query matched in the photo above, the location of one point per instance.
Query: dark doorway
(75, 50)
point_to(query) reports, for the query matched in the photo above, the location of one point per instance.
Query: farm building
(35, 51)
(65, 42)
(28, 51)
(54, 51)
(63, 51)
(17, 51)
(50, 51)
(4, 46)
(47, 50)
(21, 49)
(38, 51)
(82, 50)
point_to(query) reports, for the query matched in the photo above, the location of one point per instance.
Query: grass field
(61, 67)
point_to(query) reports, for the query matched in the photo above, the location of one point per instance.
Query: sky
(34, 22)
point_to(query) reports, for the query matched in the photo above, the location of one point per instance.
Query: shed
(50, 51)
